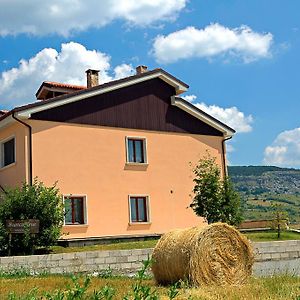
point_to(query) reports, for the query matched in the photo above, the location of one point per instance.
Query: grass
(275, 288)
(113, 246)
(253, 236)
(267, 236)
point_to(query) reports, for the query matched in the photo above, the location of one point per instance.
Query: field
(280, 287)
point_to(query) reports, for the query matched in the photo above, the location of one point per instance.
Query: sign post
(20, 227)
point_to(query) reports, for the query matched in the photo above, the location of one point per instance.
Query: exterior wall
(14, 174)
(285, 259)
(89, 160)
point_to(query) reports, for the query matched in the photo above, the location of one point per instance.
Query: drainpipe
(30, 146)
(3, 189)
(225, 172)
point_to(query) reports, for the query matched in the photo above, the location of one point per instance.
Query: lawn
(279, 287)
(254, 236)
(268, 236)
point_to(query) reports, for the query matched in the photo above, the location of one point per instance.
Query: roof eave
(201, 115)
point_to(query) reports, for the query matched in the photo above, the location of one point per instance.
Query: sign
(19, 226)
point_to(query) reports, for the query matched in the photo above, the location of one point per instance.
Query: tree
(214, 198)
(279, 218)
(34, 201)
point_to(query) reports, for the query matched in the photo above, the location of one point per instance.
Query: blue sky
(240, 58)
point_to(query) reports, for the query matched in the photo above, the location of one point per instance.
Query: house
(122, 152)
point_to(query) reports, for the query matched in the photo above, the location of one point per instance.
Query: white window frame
(2, 142)
(144, 139)
(149, 221)
(85, 211)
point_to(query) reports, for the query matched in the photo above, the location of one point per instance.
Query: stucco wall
(91, 161)
(14, 174)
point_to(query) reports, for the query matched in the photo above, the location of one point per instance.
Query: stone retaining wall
(277, 257)
(270, 258)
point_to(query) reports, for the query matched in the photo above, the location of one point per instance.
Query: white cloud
(18, 85)
(212, 41)
(285, 149)
(123, 70)
(66, 16)
(231, 116)
(190, 98)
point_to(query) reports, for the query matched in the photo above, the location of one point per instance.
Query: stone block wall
(277, 257)
(270, 258)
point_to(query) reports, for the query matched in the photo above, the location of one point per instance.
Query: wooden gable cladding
(146, 106)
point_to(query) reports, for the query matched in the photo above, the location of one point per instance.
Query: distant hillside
(260, 179)
(262, 185)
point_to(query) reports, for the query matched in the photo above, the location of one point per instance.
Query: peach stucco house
(121, 152)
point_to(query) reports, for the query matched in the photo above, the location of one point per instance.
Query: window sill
(139, 223)
(76, 225)
(7, 167)
(136, 164)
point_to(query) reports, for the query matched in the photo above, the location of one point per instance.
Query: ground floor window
(8, 152)
(74, 210)
(139, 211)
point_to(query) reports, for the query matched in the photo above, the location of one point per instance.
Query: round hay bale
(213, 254)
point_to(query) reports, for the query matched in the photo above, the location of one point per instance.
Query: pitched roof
(81, 92)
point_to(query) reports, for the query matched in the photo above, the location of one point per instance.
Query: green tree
(214, 198)
(279, 218)
(34, 201)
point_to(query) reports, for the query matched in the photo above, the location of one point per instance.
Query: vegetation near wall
(34, 201)
(214, 198)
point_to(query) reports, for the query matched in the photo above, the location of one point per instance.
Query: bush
(34, 201)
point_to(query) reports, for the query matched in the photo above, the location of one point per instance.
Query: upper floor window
(8, 152)
(136, 150)
(74, 210)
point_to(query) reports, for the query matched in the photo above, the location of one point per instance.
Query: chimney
(141, 69)
(92, 77)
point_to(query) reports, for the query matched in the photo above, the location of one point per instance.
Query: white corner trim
(6, 121)
(179, 88)
(194, 112)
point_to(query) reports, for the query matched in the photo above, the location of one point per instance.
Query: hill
(262, 185)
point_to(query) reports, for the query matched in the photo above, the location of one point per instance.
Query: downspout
(225, 171)
(30, 147)
(3, 189)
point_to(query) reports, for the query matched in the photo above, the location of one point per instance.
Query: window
(8, 152)
(136, 150)
(74, 210)
(138, 209)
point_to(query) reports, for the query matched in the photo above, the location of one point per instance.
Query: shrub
(34, 201)
(215, 199)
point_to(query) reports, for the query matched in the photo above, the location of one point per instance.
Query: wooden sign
(19, 226)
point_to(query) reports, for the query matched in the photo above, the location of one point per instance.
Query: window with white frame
(139, 209)
(8, 152)
(136, 150)
(75, 210)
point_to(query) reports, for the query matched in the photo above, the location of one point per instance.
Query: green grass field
(254, 236)
(34, 288)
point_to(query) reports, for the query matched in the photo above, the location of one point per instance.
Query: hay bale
(213, 254)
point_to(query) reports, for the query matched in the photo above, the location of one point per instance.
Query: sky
(240, 58)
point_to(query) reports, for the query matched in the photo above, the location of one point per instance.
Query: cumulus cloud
(212, 41)
(190, 98)
(18, 85)
(231, 116)
(285, 149)
(66, 16)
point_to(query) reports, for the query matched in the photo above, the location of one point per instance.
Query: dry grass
(216, 253)
(275, 288)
